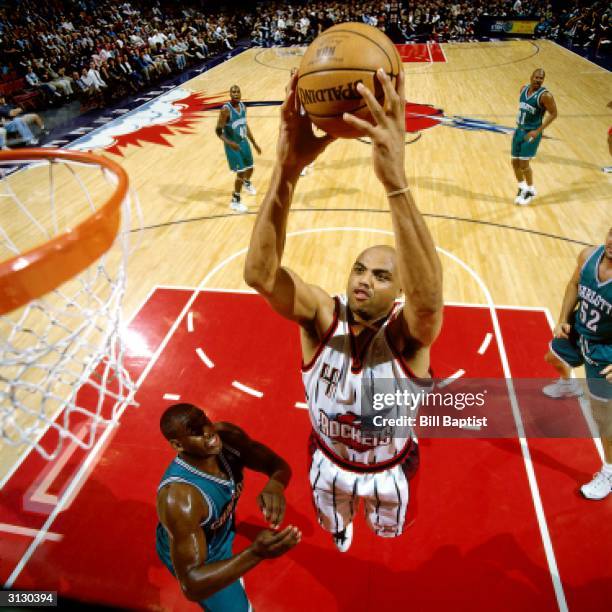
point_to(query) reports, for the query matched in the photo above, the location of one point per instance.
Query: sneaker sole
(593, 498)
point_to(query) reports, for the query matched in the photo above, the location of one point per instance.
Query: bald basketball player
(195, 504)
(361, 339)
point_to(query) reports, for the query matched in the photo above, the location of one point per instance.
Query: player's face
(373, 285)
(200, 438)
(608, 244)
(537, 79)
(235, 94)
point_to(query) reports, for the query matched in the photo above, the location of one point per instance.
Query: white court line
(246, 389)
(36, 498)
(444, 54)
(429, 52)
(30, 447)
(30, 533)
(205, 358)
(301, 405)
(172, 396)
(485, 343)
(531, 478)
(452, 378)
(584, 403)
(253, 292)
(545, 535)
(190, 322)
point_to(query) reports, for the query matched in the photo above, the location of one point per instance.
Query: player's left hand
(607, 372)
(271, 502)
(531, 136)
(257, 148)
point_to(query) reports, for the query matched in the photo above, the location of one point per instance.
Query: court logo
(175, 112)
(179, 111)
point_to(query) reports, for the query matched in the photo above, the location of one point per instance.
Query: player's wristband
(391, 194)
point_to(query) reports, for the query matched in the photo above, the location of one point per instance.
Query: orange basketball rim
(36, 272)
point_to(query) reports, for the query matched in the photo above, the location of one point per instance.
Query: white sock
(607, 469)
(523, 185)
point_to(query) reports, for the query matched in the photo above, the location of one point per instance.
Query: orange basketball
(334, 63)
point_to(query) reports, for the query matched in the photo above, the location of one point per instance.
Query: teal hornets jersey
(221, 497)
(594, 315)
(236, 127)
(531, 111)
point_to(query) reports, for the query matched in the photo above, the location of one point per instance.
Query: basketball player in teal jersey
(534, 101)
(583, 336)
(196, 499)
(233, 130)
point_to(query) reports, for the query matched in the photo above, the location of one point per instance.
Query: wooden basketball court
(505, 271)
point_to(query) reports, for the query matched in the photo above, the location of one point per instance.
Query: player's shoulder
(182, 506)
(585, 254)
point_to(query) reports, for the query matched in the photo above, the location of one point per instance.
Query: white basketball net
(61, 356)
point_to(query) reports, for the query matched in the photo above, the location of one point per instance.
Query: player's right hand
(297, 144)
(234, 146)
(562, 330)
(270, 544)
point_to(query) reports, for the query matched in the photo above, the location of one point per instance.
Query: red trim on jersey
(422, 382)
(328, 334)
(360, 468)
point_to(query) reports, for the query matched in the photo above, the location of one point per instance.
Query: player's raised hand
(270, 544)
(562, 330)
(271, 502)
(297, 145)
(388, 134)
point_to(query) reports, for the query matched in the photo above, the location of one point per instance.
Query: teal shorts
(577, 351)
(241, 160)
(523, 149)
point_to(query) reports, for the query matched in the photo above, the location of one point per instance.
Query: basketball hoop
(62, 279)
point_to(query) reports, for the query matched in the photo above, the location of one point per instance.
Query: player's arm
(252, 139)
(548, 102)
(284, 290)
(257, 456)
(419, 266)
(221, 123)
(184, 510)
(570, 298)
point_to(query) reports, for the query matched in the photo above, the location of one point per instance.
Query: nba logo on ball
(334, 64)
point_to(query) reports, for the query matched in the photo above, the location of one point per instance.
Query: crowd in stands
(437, 20)
(97, 51)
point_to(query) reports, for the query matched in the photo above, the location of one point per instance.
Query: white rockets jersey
(340, 384)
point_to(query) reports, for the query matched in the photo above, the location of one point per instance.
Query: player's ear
(176, 445)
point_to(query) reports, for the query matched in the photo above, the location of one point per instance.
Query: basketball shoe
(563, 388)
(249, 187)
(343, 539)
(519, 195)
(237, 206)
(600, 487)
(527, 196)
(607, 169)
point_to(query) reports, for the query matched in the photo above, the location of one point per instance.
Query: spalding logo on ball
(334, 63)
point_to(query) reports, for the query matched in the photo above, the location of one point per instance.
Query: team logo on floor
(180, 110)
